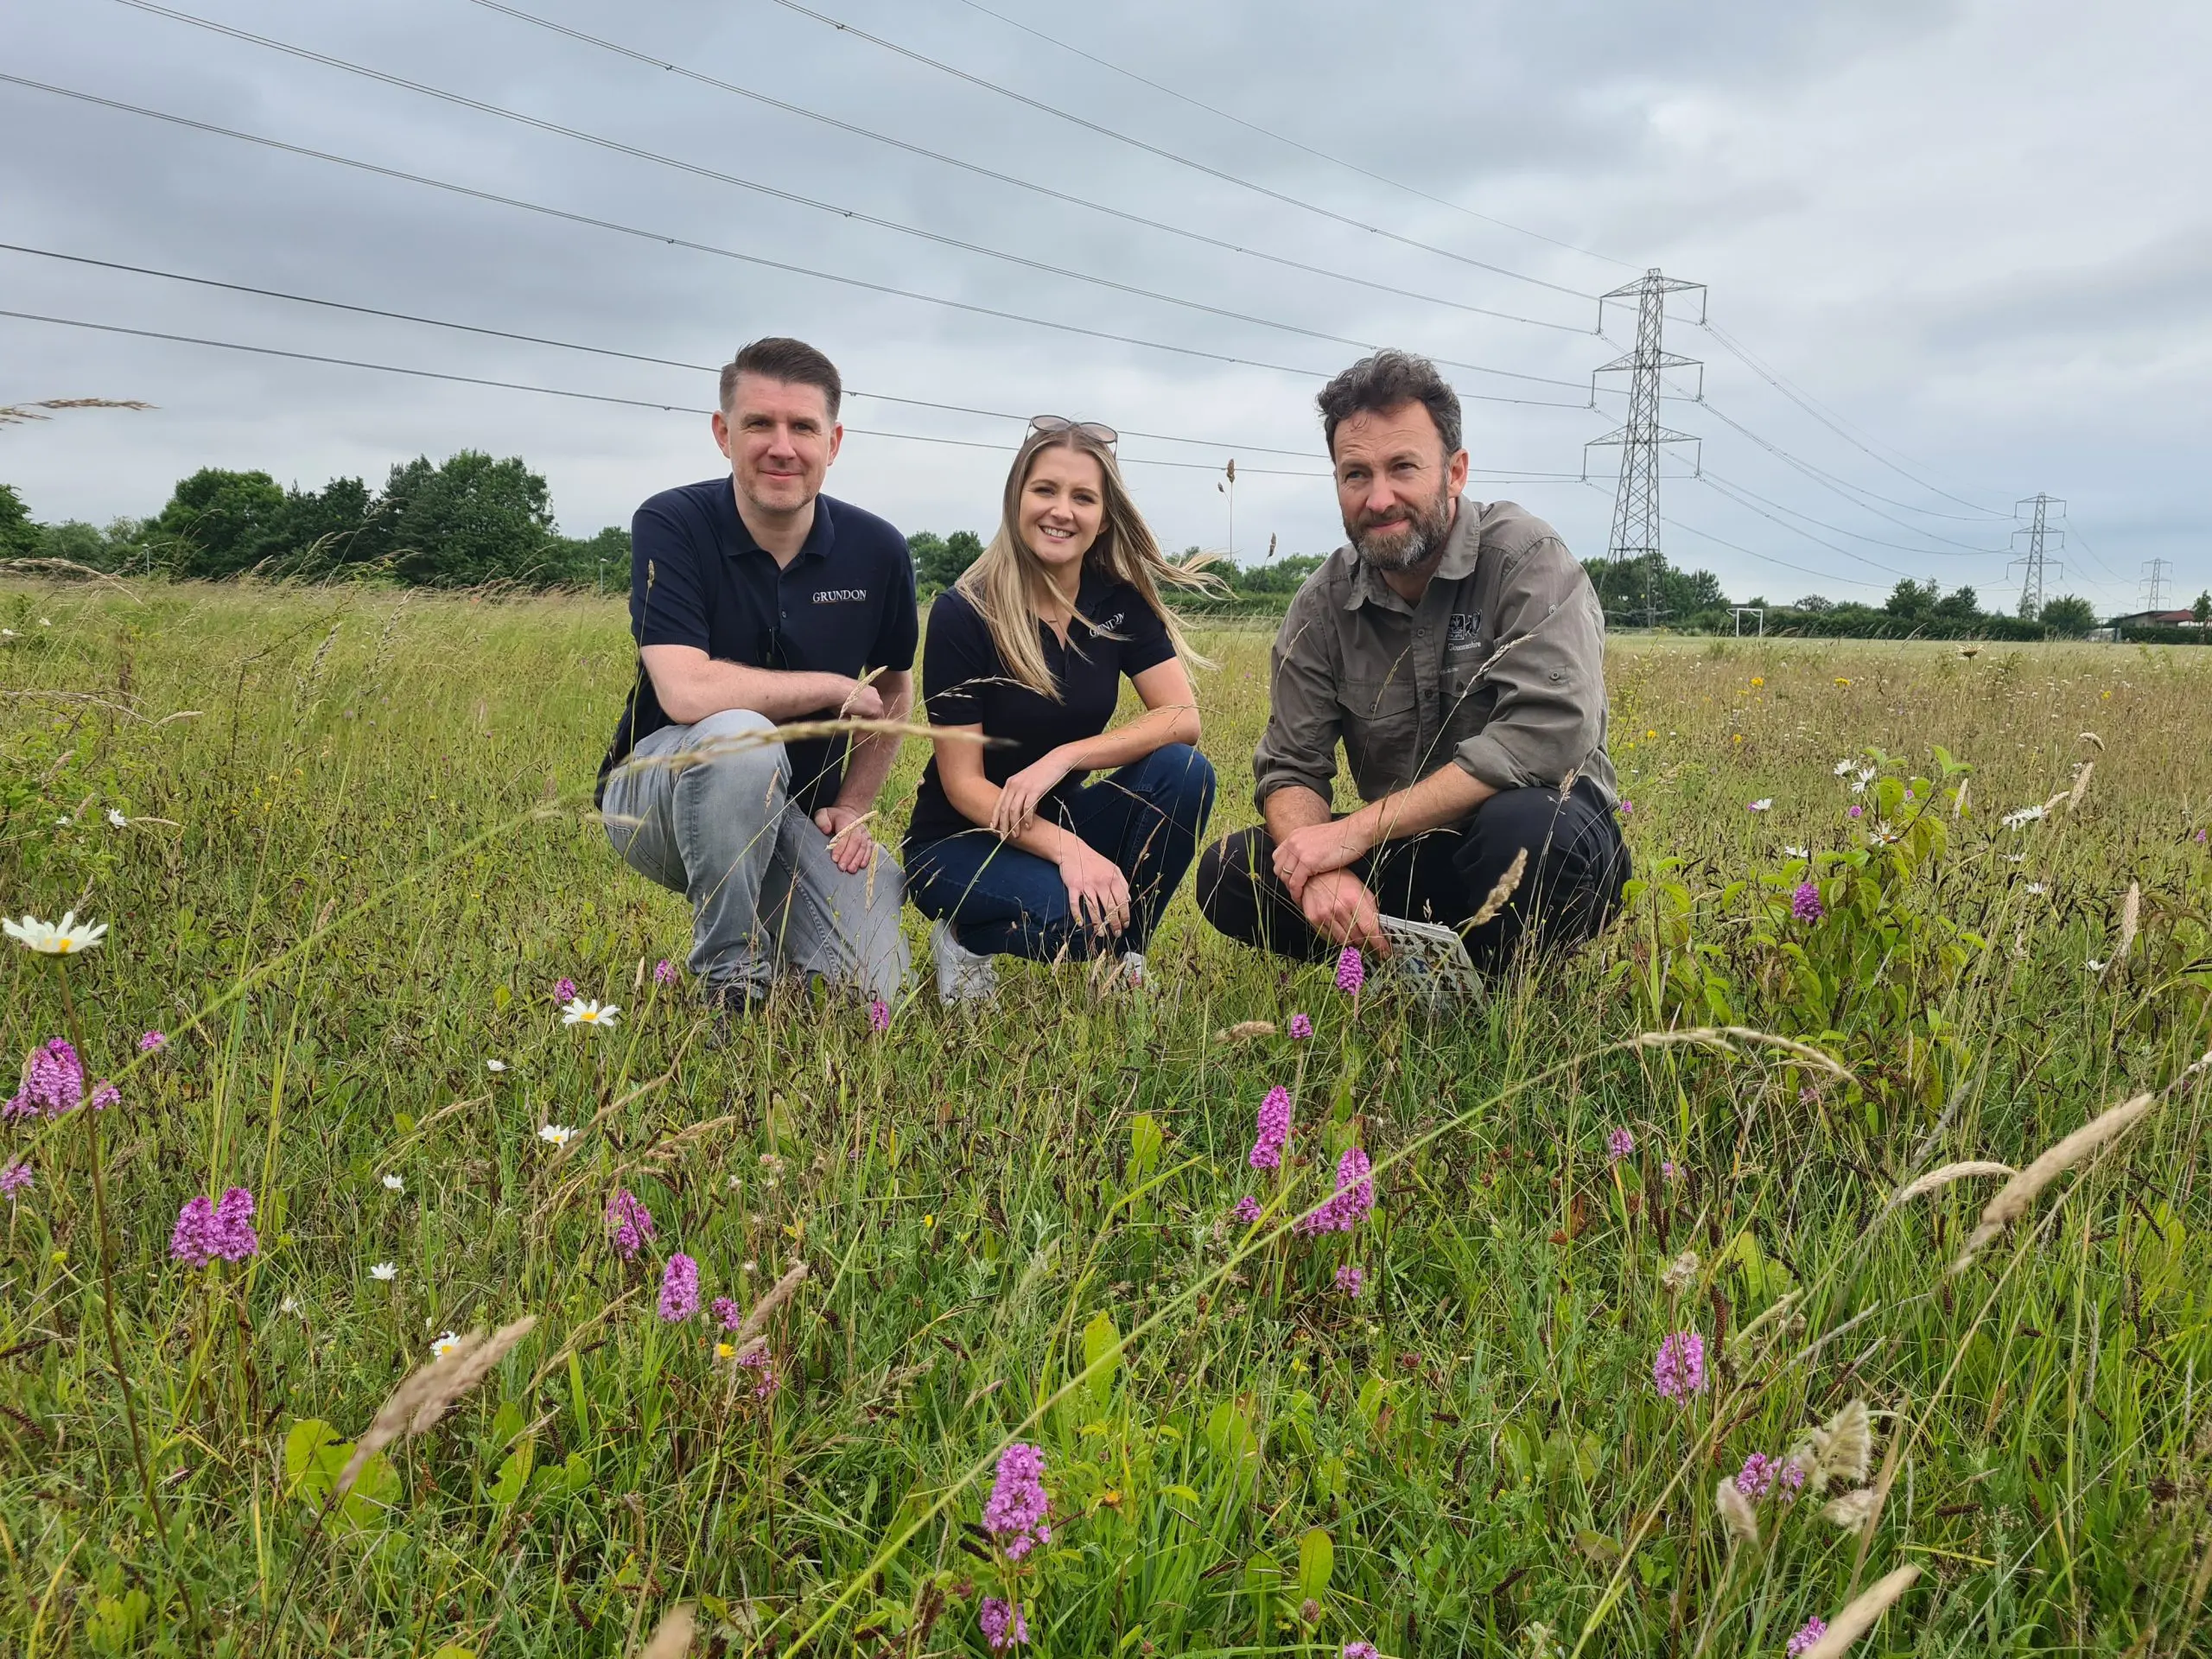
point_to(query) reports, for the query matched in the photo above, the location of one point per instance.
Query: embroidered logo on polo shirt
(839, 595)
(1462, 632)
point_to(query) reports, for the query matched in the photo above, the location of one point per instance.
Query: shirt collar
(1463, 546)
(821, 535)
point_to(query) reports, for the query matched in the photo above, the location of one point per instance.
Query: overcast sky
(1970, 234)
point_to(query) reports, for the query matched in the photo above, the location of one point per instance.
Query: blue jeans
(1002, 901)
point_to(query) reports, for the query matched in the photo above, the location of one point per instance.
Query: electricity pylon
(1636, 500)
(2036, 564)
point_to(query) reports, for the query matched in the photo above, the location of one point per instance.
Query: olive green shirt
(1500, 670)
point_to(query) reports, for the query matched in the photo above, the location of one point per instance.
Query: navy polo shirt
(965, 683)
(843, 606)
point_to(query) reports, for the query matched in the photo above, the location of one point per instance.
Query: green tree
(2072, 616)
(939, 561)
(322, 527)
(470, 520)
(2200, 613)
(217, 522)
(1960, 605)
(601, 562)
(1913, 602)
(79, 542)
(19, 537)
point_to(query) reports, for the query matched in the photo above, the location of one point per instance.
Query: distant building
(2183, 619)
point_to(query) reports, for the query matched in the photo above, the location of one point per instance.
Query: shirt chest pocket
(1469, 700)
(1381, 726)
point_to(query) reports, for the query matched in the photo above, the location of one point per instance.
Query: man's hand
(1318, 849)
(1098, 893)
(1017, 806)
(851, 847)
(865, 703)
(1342, 911)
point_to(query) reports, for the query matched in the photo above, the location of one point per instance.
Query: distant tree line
(1634, 591)
(458, 523)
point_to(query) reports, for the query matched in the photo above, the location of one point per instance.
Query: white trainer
(962, 975)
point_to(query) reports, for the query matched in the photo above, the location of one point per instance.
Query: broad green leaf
(1145, 1141)
(1317, 1560)
(1229, 1434)
(506, 1423)
(115, 1621)
(455, 1650)
(514, 1475)
(1100, 1340)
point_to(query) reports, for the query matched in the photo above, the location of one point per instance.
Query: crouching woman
(1013, 849)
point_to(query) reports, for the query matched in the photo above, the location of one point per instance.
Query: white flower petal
(385, 1272)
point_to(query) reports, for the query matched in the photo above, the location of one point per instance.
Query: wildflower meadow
(399, 1261)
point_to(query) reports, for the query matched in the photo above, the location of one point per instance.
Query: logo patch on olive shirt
(1463, 631)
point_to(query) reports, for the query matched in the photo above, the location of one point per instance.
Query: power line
(1730, 495)
(1856, 536)
(473, 194)
(1521, 475)
(1168, 155)
(796, 197)
(1813, 406)
(609, 397)
(1636, 502)
(2036, 563)
(1125, 216)
(1768, 558)
(1283, 138)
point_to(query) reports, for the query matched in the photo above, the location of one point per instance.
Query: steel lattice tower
(2036, 564)
(1635, 500)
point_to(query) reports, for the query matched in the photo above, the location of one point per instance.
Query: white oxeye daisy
(62, 938)
(444, 1346)
(556, 1134)
(383, 1272)
(1843, 767)
(1764, 803)
(289, 1304)
(64, 821)
(2094, 965)
(1796, 852)
(581, 1012)
(116, 817)
(2023, 816)
(394, 1184)
(2037, 887)
(495, 1066)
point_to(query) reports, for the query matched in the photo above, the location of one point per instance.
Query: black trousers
(1577, 866)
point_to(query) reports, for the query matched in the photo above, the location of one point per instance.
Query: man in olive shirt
(1457, 651)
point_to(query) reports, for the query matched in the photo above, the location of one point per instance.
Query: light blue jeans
(705, 809)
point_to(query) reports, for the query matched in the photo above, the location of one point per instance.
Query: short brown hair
(792, 361)
(1389, 380)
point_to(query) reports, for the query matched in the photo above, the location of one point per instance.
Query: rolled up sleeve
(1548, 669)
(1300, 744)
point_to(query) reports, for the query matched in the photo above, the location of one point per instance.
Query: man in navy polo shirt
(756, 601)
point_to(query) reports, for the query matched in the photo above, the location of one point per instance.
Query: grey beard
(1423, 535)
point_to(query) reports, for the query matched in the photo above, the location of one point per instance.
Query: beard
(1406, 546)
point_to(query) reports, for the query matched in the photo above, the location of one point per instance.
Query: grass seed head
(2080, 786)
(1244, 1030)
(2131, 919)
(1946, 1175)
(1737, 1514)
(672, 1639)
(1502, 892)
(425, 1396)
(1839, 1450)
(1851, 1511)
(1858, 1619)
(2014, 1198)
(778, 1294)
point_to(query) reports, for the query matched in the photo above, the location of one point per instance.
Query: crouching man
(757, 600)
(1456, 649)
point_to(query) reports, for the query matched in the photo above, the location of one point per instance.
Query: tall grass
(356, 858)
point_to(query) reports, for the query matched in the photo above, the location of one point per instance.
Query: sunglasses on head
(1053, 425)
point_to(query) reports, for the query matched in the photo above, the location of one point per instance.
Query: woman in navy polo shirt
(1010, 850)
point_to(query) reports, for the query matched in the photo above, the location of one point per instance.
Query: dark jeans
(1577, 866)
(1002, 901)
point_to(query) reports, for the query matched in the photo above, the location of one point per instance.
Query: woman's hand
(1098, 893)
(1019, 796)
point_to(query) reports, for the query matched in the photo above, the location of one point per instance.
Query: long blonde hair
(1006, 583)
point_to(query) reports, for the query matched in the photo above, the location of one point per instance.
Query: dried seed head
(1567, 784)
(2080, 786)
(2014, 1198)
(673, 1639)
(1852, 1510)
(1244, 1030)
(1958, 800)
(1838, 1450)
(1859, 1618)
(777, 1295)
(425, 1396)
(1679, 1274)
(1945, 1176)
(2131, 919)
(1502, 892)
(1737, 1514)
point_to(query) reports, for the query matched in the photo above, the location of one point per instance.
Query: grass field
(356, 856)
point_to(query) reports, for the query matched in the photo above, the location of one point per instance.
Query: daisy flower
(495, 1066)
(62, 938)
(444, 1346)
(383, 1272)
(1764, 803)
(579, 1012)
(116, 818)
(394, 1184)
(556, 1134)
